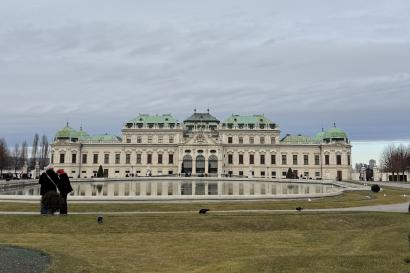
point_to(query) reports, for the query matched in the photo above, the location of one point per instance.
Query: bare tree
(34, 152)
(44, 160)
(16, 158)
(23, 154)
(396, 160)
(4, 156)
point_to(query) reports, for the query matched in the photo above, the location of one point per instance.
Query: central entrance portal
(200, 164)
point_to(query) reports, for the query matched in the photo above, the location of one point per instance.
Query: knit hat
(60, 171)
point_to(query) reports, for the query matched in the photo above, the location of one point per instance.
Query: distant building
(372, 163)
(202, 145)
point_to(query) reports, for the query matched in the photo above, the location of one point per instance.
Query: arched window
(200, 164)
(213, 164)
(187, 164)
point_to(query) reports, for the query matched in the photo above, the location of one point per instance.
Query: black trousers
(63, 204)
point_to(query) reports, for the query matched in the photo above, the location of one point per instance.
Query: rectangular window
(128, 140)
(284, 174)
(149, 139)
(62, 158)
(160, 139)
(338, 159)
(159, 158)
(139, 139)
(251, 140)
(272, 140)
(273, 159)
(284, 160)
(95, 159)
(273, 174)
(251, 159)
(74, 158)
(262, 140)
(230, 159)
(306, 174)
(240, 173)
(305, 159)
(327, 160)
(138, 158)
(230, 139)
(317, 162)
(106, 158)
(241, 159)
(170, 159)
(317, 174)
(295, 159)
(149, 158)
(117, 158)
(128, 159)
(348, 160)
(171, 139)
(240, 139)
(84, 159)
(262, 159)
(263, 173)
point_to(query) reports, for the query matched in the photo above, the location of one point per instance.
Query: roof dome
(67, 133)
(334, 133)
(320, 135)
(83, 134)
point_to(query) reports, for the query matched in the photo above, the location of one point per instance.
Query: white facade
(201, 145)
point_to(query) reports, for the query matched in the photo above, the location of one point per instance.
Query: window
(230, 159)
(159, 158)
(348, 160)
(139, 139)
(84, 159)
(170, 159)
(273, 174)
(317, 174)
(240, 173)
(149, 158)
(305, 159)
(95, 158)
(284, 174)
(74, 158)
(295, 159)
(241, 159)
(272, 140)
(251, 159)
(230, 139)
(273, 159)
(251, 140)
(160, 139)
(262, 157)
(128, 140)
(326, 159)
(62, 158)
(171, 139)
(262, 173)
(338, 159)
(128, 159)
(317, 160)
(138, 158)
(240, 139)
(117, 158)
(284, 160)
(149, 139)
(262, 140)
(106, 158)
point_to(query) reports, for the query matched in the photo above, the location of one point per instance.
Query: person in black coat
(65, 188)
(48, 181)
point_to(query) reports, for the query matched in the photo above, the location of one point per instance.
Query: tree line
(16, 158)
(396, 160)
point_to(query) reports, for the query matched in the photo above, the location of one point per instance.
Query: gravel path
(21, 260)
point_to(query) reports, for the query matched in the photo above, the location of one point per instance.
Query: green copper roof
(334, 133)
(66, 132)
(298, 139)
(320, 135)
(254, 119)
(201, 117)
(143, 118)
(104, 137)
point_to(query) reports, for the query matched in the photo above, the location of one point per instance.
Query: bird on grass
(299, 209)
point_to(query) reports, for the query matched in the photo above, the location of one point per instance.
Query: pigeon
(203, 211)
(299, 209)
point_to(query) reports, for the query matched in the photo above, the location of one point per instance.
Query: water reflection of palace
(202, 145)
(191, 187)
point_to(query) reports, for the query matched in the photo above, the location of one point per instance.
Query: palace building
(249, 146)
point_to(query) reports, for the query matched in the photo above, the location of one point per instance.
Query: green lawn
(240, 242)
(348, 199)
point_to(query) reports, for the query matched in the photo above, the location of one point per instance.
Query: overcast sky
(304, 64)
